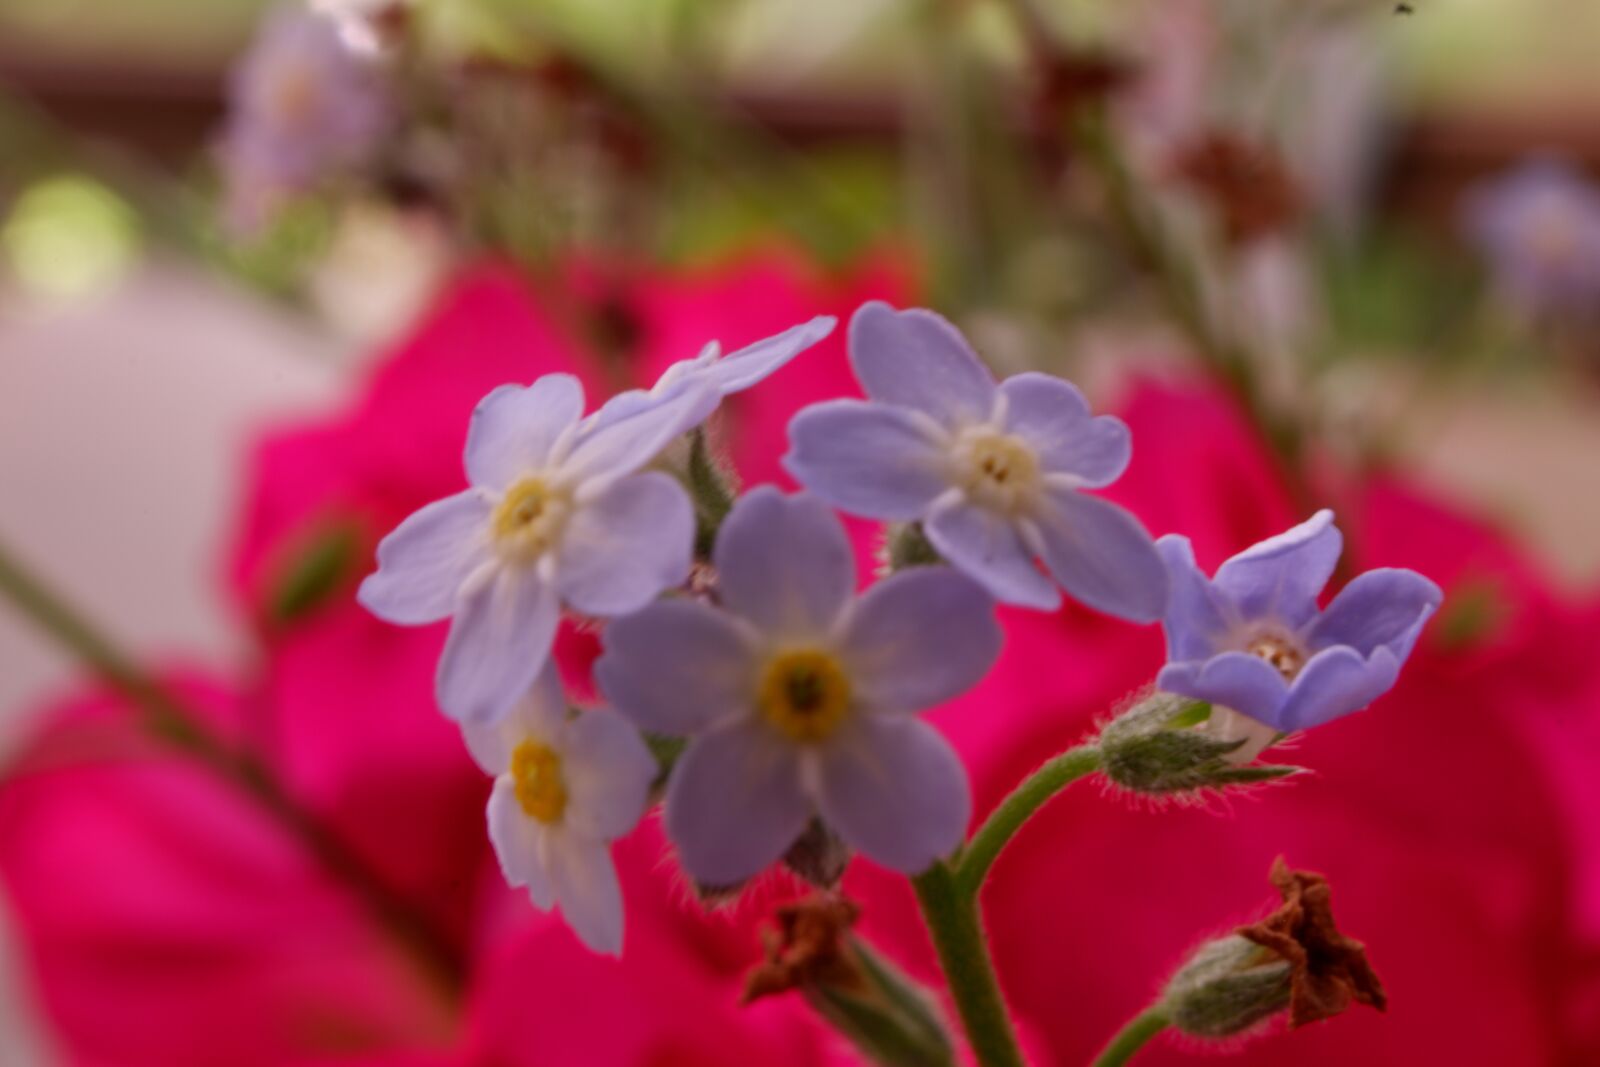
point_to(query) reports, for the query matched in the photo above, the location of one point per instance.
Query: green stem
(952, 919)
(1133, 1037)
(166, 716)
(1026, 799)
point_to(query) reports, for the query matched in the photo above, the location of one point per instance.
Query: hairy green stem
(167, 717)
(1026, 799)
(1133, 1037)
(952, 919)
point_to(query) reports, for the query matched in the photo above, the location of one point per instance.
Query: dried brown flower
(1247, 184)
(1328, 969)
(810, 947)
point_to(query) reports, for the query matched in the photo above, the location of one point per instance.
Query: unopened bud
(1227, 987)
(906, 545)
(1161, 744)
(818, 856)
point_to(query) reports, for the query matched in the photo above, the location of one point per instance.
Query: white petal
(516, 839)
(498, 643)
(740, 370)
(514, 429)
(610, 448)
(423, 563)
(622, 549)
(539, 715)
(607, 769)
(587, 889)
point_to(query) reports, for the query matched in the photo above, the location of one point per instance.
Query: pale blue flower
(1254, 643)
(556, 515)
(722, 375)
(800, 698)
(1538, 228)
(302, 110)
(566, 786)
(994, 473)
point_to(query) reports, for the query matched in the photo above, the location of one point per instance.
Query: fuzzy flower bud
(1161, 745)
(1227, 987)
(1295, 959)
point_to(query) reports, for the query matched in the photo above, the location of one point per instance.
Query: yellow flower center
(536, 774)
(529, 520)
(1284, 655)
(805, 694)
(997, 469)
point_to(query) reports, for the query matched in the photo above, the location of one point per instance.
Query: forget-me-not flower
(993, 472)
(800, 698)
(1538, 227)
(565, 787)
(557, 513)
(302, 109)
(723, 375)
(1254, 643)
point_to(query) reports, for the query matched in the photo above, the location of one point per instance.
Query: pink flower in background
(169, 922)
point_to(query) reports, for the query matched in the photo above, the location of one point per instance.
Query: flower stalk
(1139, 1031)
(954, 925)
(167, 717)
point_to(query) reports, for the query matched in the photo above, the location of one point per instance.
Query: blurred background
(1375, 221)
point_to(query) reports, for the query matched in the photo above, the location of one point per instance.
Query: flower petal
(740, 370)
(986, 547)
(677, 667)
(610, 447)
(1281, 577)
(894, 790)
(498, 643)
(1381, 608)
(918, 360)
(1052, 416)
(1197, 620)
(608, 770)
(1336, 682)
(785, 563)
(517, 844)
(735, 804)
(1237, 680)
(1102, 555)
(424, 561)
(540, 714)
(587, 889)
(920, 638)
(620, 550)
(869, 459)
(514, 429)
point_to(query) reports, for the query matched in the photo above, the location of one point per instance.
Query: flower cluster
(775, 694)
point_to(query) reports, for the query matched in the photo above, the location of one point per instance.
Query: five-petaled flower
(557, 514)
(722, 375)
(1253, 642)
(993, 472)
(302, 110)
(1538, 227)
(800, 697)
(566, 786)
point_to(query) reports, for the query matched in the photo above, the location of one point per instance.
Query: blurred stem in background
(168, 718)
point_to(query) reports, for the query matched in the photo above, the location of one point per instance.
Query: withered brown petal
(1328, 969)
